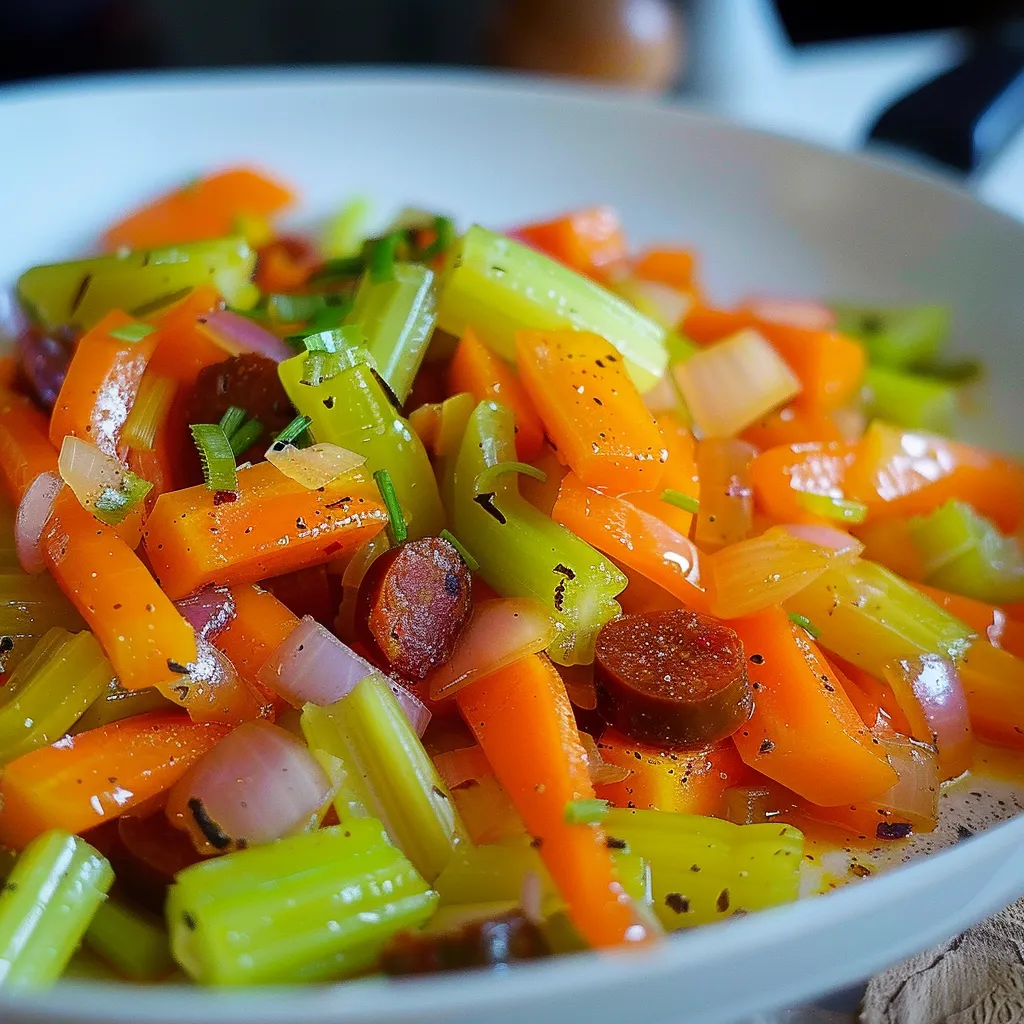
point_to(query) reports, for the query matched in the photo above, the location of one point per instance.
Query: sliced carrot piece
(890, 543)
(591, 410)
(207, 208)
(876, 690)
(486, 376)
(795, 423)
(687, 782)
(987, 620)
(523, 720)
(634, 537)
(675, 267)
(993, 682)
(82, 781)
(781, 475)
(183, 349)
(705, 324)
(804, 732)
(726, 514)
(101, 384)
(278, 269)
(274, 526)
(588, 240)
(25, 447)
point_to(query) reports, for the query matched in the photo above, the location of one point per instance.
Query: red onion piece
(915, 797)
(44, 362)
(236, 334)
(208, 611)
(258, 784)
(312, 666)
(815, 316)
(33, 511)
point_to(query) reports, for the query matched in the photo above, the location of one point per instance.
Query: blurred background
(943, 81)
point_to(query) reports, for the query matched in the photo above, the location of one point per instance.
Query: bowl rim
(414, 1000)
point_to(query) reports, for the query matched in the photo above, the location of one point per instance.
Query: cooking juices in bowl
(423, 600)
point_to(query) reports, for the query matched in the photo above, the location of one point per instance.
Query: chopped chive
(471, 563)
(132, 332)
(586, 812)
(486, 477)
(232, 419)
(444, 237)
(217, 457)
(246, 436)
(805, 623)
(330, 317)
(290, 434)
(381, 264)
(684, 501)
(114, 504)
(844, 509)
(343, 267)
(396, 520)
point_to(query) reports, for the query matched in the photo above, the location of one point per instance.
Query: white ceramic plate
(766, 214)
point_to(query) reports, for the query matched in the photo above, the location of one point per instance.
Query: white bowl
(766, 214)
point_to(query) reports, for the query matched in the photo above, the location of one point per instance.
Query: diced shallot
(258, 784)
(33, 511)
(236, 334)
(87, 470)
(316, 466)
(208, 611)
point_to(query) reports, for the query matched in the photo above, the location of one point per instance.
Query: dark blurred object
(635, 43)
(815, 21)
(966, 115)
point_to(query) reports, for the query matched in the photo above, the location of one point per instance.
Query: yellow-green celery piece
(115, 704)
(132, 940)
(705, 869)
(29, 606)
(910, 400)
(899, 337)
(388, 773)
(82, 292)
(312, 907)
(498, 287)
(352, 409)
(871, 617)
(521, 551)
(46, 905)
(50, 689)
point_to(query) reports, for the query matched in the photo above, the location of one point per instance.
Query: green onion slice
(486, 477)
(684, 501)
(444, 238)
(132, 332)
(294, 430)
(805, 623)
(114, 504)
(246, 436)
(396, 519)
(846, 510)
(381, 264)
(232, 419)
(217, 457)
(586, 812)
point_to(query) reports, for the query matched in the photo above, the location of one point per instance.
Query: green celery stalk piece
(521, 551)
(499, 287)
(704, 869)
(49, 690)
(389, 772)
(397, 319)
(29, 606)
(352, 409)
(82, 292)
(910, 400)
(116, 703)
(345, 232)
(871, 617)
(312, 907)
(133, 941)
(46, 905)
(965, 553)
(900, 338)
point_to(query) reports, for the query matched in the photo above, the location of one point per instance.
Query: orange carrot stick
(101, 384)
(276, 525)
(988, 621)
(674, 267)
(82, 781)
(183, 349)
(876, 690)
(589, 240)
(591, 410)
(25, 448)
(522, 718)
(705, 324)
(993, 682)
(634, 537)
(781, 475)
(476, 369)
(207, 208)
(726, 514)
(793, 424)
(142, 633)
(804, 732)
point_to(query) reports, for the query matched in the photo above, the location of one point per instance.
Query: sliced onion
(33, 511)
(733, 383)
(815, 316)
(237, 334)
(312, 666)
(915, 798)
(316, 466)
(462, 765)
(579, 685)
(930, 694)
(258, 784)
(663, 397)
(500, 631)
(602, 772)
(840, 542)
(44, 362)
(209, 611)
(87, 470)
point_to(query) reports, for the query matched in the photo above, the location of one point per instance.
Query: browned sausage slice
(672, 679)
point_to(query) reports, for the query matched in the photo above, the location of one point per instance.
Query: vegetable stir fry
(427, 600)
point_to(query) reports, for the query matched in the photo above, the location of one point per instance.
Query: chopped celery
(910, 400)
(846, 510)
(869, 616)
(965, 553)
(149, 410)
(344, 233)
(521, 551)
(116, 703)
(49, 690)
(397, 318)
(311, 907)
(82, 292)
(131, 940)
(353, 410)
(500, 287)
(894, 336)
(704, 869)
(393, 775)
(29, 606)
(46, 905)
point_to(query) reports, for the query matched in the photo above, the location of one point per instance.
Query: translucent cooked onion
(237, 334)
(500, 631)
(87, 470)
(258, 784)
(602, 773)
(316, 466)
(209, 611)
(815, 316)
(33, 511)
(826, 537)
(312, 666)
(915, 798)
